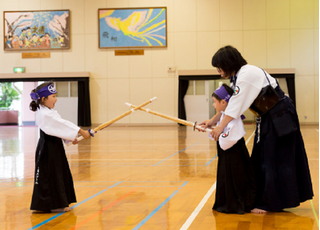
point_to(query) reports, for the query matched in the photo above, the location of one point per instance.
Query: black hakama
(53, 183)
(279, 159)
(235, 190)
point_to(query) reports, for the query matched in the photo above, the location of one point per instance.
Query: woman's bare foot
(258, 211)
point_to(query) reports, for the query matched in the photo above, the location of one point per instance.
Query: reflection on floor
(138, 178)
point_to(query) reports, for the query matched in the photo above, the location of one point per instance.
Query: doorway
(198, 99)
(17, 112)
(83, 113)
(10, 102)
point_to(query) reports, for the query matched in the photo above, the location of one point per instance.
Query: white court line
(194, 214)
(191, 218)
(250, 137)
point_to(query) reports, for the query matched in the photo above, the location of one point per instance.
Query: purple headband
(223, 93)
(43, 92)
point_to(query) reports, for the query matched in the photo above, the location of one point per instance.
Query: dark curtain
(84, 109)
(291, 89)
(183, 86)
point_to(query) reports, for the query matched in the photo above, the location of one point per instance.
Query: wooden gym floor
(139, 178)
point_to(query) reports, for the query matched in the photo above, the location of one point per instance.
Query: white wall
(67, 107)
(269, 33)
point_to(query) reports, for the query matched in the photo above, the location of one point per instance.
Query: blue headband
(223, 93)
(43, 92)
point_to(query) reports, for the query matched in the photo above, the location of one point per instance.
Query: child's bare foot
(258, 211)
(66, 209)
(41, 211)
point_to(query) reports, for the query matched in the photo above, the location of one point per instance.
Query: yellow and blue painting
(34, 30)
(134, 27)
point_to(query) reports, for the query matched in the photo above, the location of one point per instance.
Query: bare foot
(66, 209)
(258, 211)
(41, 211)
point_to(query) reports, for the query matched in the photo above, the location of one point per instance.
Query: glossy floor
(139, 178)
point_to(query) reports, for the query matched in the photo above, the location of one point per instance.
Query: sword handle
(206, 129)
(78, 139)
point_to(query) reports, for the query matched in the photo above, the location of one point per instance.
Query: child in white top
(53, 184)
(234, 131)
(235, 191)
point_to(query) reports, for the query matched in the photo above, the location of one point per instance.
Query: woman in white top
(278, 156)
(53, 185)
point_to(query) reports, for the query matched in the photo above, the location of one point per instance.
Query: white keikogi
(50, 122)
(232, 133)
(250, 81)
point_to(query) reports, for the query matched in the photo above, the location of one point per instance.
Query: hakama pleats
(235, 190)
(53, 183)
(280, 161)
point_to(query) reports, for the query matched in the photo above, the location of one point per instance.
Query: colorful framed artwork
(36, 30)
(133, 27)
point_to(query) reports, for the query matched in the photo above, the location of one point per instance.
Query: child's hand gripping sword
(104, 125)
(184, 122)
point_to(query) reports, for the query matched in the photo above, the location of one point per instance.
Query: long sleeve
(231, 134)
(50, 122)
(250, 81)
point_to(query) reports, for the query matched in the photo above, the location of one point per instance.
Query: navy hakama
(279, 159)
(235, 191)
(53, 184)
